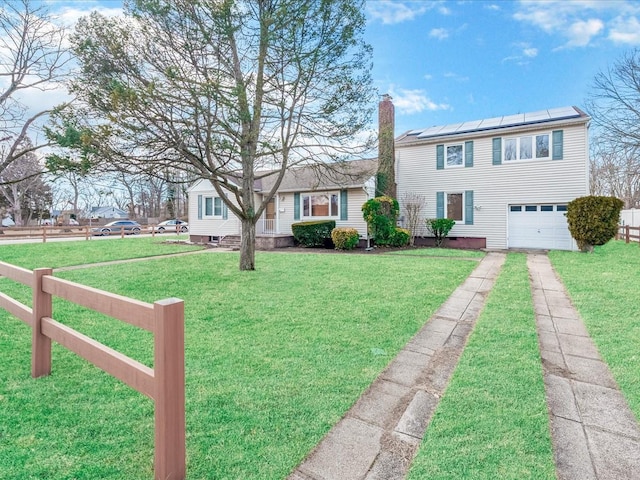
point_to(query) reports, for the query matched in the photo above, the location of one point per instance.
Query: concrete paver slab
(616, 458)
(571, 451)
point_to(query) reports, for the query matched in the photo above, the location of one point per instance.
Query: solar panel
(496, 122)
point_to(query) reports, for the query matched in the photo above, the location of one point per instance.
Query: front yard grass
(273, 359)
(604, 288)
(64, 254)
(492, 421)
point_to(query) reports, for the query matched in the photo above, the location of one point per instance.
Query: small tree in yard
(440, 228)
(381, 214)
(593, 220)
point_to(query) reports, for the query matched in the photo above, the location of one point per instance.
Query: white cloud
(390, 12)
(409, 102)
(439, 33)
(578, 23)
(492, 6)
(530, 52)
(428, 76)
(581, 32)
(625, 30)
(522, 58)
(456, 77)
(394, 11)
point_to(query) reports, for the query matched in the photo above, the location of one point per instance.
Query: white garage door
(539, 226)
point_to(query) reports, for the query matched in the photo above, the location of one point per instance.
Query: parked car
(174, 225)
(130, 226)
(8, 222)
(73, 222)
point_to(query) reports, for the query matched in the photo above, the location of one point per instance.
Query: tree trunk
(248, 245)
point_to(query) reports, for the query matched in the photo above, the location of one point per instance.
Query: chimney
(386, 178)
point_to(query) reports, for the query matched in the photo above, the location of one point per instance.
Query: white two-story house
(506, 181)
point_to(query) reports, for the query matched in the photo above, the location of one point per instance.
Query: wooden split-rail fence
(628, 234)
(164, 384)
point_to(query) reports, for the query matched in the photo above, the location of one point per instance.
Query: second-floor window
(526, 147)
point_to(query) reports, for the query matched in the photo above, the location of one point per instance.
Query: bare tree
(32, 57)
(234, 91)
(615, 101)
(615, 171)
(23, 188)
(413, 205)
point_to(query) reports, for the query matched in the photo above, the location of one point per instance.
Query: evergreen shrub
(345, 238)
(313, 234)
(593, 220)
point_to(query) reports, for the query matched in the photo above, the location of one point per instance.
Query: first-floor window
(454, 206)
(212, 207)
(320, 205)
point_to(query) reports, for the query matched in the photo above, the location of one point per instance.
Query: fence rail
(625, 232)
(164, 384)
(47, 232)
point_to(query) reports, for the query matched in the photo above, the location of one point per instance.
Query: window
(546, 208)
(531, 208)
(454, 155)
(516, 208)
(212, 207)
(320, 205)
(561, 208)
(454, 206)
(526, 147)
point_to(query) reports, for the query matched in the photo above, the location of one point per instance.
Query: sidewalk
(379, 436)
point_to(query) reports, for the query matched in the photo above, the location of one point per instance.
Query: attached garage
(542, 226)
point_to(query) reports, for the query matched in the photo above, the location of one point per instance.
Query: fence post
(40, 344)
(626, 234)
(170, 449)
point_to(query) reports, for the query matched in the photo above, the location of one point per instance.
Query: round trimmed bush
(593, 220)
(345, 238)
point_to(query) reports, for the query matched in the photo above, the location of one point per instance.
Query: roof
(496, 123)
(353, 173)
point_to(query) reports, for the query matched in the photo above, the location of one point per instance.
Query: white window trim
(446, 205)
(213, 207)
(446, 148)
(310, 194)
(533, 151)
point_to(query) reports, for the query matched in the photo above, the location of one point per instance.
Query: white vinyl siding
(541, 181)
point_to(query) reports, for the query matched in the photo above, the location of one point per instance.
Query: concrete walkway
(594, 434)
(378, 437)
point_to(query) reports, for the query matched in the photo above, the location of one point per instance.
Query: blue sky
(452, 61)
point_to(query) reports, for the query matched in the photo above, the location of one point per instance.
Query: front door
(270, 217)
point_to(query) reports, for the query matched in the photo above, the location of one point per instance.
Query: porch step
(230, 241)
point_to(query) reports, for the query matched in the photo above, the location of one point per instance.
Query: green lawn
(492, 422)
(273, 357)
(604, 287)
(63, 254)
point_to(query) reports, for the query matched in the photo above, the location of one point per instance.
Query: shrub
(440, 228)
(313, 234)
(381, 215)
(345, 238)
(400, 237)
(593, 220)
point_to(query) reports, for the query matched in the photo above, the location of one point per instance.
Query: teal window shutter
(468, 207)
(343, 205)
(557, 144)
(468, 153)
(296, 206)
(225, 211)
(439, 204)
(199, 207)
(439, 157)
(497, 151)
